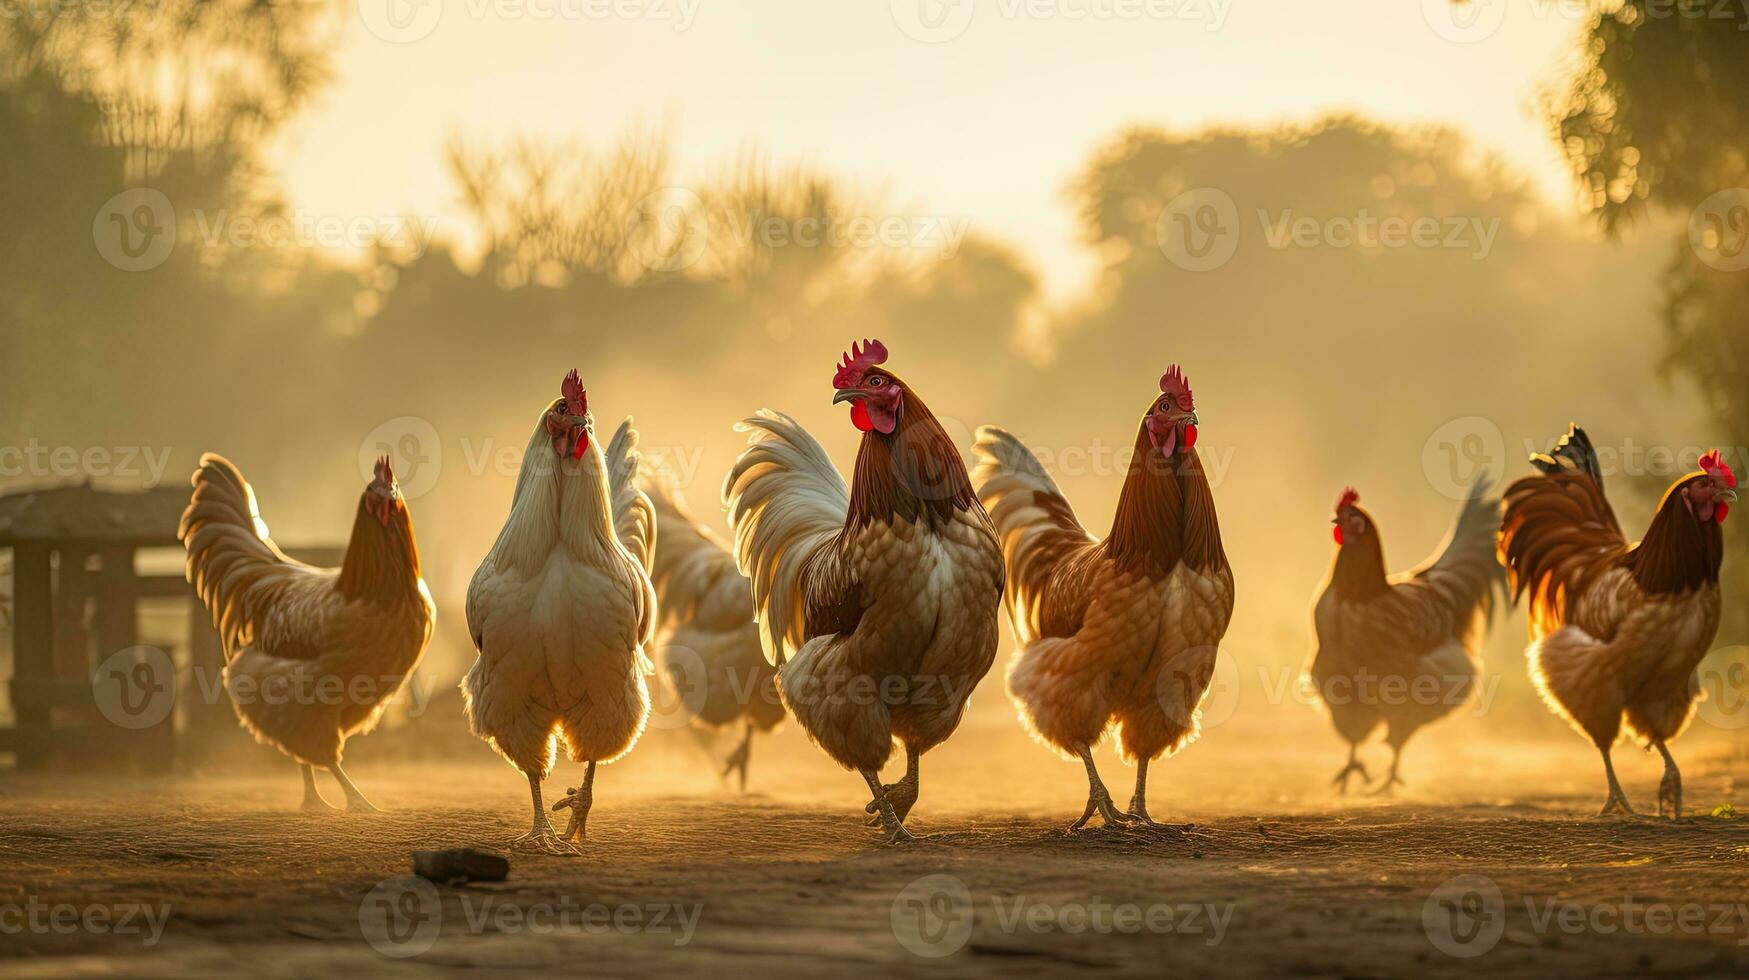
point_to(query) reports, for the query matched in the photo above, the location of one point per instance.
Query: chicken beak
(846, 394)
(1727, 496)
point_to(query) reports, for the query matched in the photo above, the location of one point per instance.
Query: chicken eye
(876, 382)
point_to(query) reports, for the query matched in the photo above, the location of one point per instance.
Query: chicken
(1118, 633)
(1402, 650)
(313, 655)
(560, 611)
(877, 602)
(1617, 629)
(707, 639)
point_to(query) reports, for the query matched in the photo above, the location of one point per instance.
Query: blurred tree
(1657, 117)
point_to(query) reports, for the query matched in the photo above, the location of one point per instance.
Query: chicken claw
(1100, 802)
(738, 759)
(897, 834)
(1670, 787)
(578, 802)
(1354, 767)
(902, 794)
(544, 840)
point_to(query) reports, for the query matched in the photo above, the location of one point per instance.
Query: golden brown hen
(1617, 629)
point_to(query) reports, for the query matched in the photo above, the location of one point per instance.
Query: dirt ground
(208, 874)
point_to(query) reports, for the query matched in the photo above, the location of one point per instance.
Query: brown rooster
(877, 601)
(1617, 629)
(1121, 632)
(1403, 650)
(292, 632)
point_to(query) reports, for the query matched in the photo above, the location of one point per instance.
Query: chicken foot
(1099, 800)
(889, 817)
(1618, 801)
(354, 799)
(1391, 781)
(313, 797)
(737, 761)
(1354, 767)
(578, 801)
(1139, 802)
(1670, 787)
(902, 794)
(541, 838)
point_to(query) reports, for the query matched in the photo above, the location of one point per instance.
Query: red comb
(385, 471)
(1174, 383)
(1349, 498)
(576, 398)
(1715, 466)
(859, 359)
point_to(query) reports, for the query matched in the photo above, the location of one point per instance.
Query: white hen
(560, 611)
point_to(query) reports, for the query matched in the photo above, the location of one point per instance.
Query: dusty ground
(1279, 876)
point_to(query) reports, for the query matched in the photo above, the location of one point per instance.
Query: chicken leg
(541, 838)
(1353, 767)
(1670, 787)
(354, 799)
(889, 817)
(737, 761)
(1139, 802)
(902, 794)
(1390, 781)
(578, 802)
(1099, 800)
(1618, 801)
(312, 797)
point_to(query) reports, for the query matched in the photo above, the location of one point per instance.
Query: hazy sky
(987, 123)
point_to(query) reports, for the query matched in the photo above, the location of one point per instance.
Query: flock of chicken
(872, 608)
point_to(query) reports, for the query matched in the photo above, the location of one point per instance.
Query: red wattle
(1719, 512)
(859, 416)
(1337, 530)
(582, 445)
(1190, 437)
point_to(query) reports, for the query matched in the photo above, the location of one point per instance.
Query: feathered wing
(251, 588)
(634, 517)
(787, 504)
(1036, 526)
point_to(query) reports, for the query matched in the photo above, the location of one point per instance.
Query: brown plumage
(1617, 629)
(878, 601)
(292, 632)
(1402, 651)
(1120, 633)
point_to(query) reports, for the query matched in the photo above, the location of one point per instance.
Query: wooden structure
(76, 597)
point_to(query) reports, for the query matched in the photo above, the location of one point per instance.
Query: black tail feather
(1572, 452)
